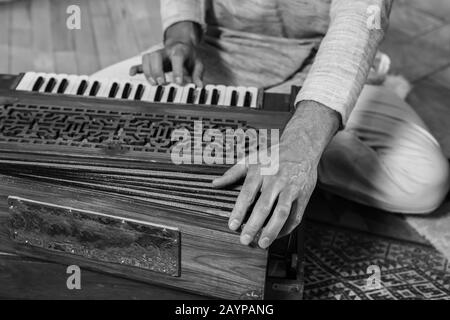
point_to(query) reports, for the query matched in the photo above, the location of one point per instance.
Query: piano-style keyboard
(219, 95)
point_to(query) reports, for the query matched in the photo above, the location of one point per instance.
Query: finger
(197, 73)
(178, 59)
(246, 197)
(156, 67)
(279, 217)
(297, 211)
(146, 69)
(134, 70)
(232, 175)
(260, 213)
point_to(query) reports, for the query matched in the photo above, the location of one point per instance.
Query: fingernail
(234, 224)
(179, 80)
(264, 242)
(216, 182)
(246, 239)
(152, 81)
(160, 81)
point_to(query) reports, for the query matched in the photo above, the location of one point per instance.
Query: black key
(94, 89)
(126, 91)
(233, 101)
(139, 92)
(171, 94)
(50, 85)
(82, 87)
(215, 96)
(114, 89)
(190, 97)
(159, 93)
(38, 84)
(247, 99)
(202, 97)
(63, 86)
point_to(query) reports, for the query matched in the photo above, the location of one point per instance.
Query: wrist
(187, 32)
(311, 128)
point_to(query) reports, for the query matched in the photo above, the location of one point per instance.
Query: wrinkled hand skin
(288, 191)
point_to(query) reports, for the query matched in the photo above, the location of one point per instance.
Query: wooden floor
(34, 36)
(418, 42)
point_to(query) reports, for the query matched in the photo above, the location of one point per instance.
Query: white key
(91, 82)
(241, 91)
(254, 93)
(105, 87)
(221, 89)
(149, 93)
(119, 92)
(134, 86)
(74, 82)
(119, 83)
(58, 79)
(197, 95)
(27, 81)
(228, 95)
(178, 94)
(185, 93)
(167, 88)
(130, 90)
(80, 79)
(47, 78)
(61, 77)
(44, 77)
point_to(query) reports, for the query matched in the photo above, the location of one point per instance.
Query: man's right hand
(179, 55)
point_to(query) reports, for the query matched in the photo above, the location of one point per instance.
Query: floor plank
(63, 38)
(102, 24)
(147, 22)
(86, 52)
(20, 55)
(442, 77)
(124, 34)
(431, 101)
(438, 8)
(5, 13)
(43, 59)
(412, 21)
(418, 57)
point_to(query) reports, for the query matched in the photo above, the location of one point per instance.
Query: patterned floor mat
(340, 265)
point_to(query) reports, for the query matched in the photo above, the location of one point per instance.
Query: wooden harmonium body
(86, 179)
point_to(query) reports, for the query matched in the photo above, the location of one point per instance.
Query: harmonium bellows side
(87, 178)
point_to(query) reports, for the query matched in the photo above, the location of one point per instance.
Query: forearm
(346, 53)
(311, 128)
(174, 11)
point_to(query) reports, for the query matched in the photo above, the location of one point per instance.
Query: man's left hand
(286, 193)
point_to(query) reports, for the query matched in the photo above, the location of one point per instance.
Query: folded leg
(386, 157)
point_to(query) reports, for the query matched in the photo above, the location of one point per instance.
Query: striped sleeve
(346, 53)
(173, 11)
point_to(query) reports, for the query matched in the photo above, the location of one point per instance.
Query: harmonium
(87, 179)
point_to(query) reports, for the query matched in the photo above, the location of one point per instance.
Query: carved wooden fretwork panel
(89, 128)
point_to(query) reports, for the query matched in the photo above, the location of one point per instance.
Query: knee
(423, 183)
